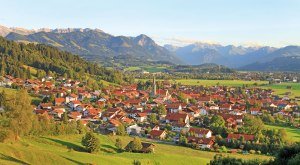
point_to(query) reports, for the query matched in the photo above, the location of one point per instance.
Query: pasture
(68, 150)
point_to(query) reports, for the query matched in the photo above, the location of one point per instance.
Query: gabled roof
(202, 131)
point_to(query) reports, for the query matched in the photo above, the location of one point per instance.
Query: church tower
(154, 87)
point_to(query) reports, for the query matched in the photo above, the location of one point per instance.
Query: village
(170, 113)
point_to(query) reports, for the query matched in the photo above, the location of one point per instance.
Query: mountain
(283, 59)
(15, 57)
(230, 55)
(96, 45)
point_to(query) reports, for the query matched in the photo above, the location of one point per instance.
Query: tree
(80, 127)
(28, 73)
(91, 142)
(19, 113)
(119, 144)
(136, 162)
(135, 145)
(121, 130)
(183, 140)
(252, 125)
(2, 98)
(161, 110)
(153, 119)
(217, 124)
(65, 118)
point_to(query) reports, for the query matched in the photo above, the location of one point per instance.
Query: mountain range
(98, 46)
(264, 58)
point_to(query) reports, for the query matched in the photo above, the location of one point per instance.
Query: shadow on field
(108, 148)
(67, 144)
(10, 158)
(74, 161)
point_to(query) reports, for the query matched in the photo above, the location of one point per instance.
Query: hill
(68, 150)
(277, 64)
(49, 60)
(203, 68)
(96, 45)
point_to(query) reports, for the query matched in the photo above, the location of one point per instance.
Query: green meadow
(68, 150)
(293, 134)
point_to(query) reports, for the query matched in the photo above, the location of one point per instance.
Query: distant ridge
(96, 45)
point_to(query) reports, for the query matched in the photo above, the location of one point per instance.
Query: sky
(178, 22)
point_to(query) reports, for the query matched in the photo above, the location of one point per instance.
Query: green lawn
(55, 150)
(292, 133)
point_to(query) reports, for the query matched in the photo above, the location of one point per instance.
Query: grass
(12, 92)
(132, 68)
(68, 150)
(281, 88)
(293, 134)
(233, 83)
(154, 69)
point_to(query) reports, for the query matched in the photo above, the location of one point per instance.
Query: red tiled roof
(238, 136)
(156, 133)
(199, 130)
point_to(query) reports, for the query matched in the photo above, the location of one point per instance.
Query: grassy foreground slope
(68, 150)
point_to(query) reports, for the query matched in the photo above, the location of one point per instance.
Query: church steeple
(154, 87)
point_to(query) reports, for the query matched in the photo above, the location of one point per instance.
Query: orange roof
(59, 100)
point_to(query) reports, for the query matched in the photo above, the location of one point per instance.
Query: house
(158, 134)
(177, 118)
(203, 143)
(134, 130)
(59, 101)
(174, 108)
(193, 111)
(71, 97)
(141, 117)
(75, 115)
(200, 132)
(255, 111)
(74, 104)
(225, 107)
(239, 136)
(146, 147)
(178, 127)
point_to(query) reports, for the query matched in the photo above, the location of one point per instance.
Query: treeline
(14, 56)
(289, 155)
(17, 120)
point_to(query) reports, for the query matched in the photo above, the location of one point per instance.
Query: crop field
(68, 150)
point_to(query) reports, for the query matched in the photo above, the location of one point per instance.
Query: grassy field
(293, 134)
(220, 82)
(233, 83)
(68, 150)
(281, 88)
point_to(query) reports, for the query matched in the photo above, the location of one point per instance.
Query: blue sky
(245, 22)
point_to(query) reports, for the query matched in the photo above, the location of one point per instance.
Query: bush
(252, 151)
(91, 142)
